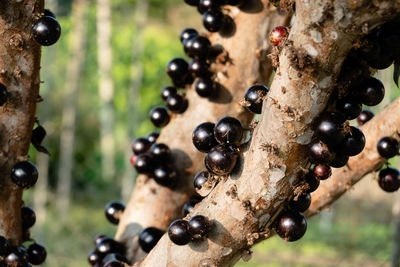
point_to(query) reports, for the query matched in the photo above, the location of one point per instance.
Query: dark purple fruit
(389, 179)
(213, 20)
(38, 135)
(205, 87)
(149, 237)
(388, 147)
(114, 263)
(311, 181)
(255, 96)
(4, 246)
(228, 130)
(159, 116)
(203, 137)
(144, 163)
(98, 238)
(167, 92)
(350, 107)
(372, 91)
(94, 257)
(37, 254)
(200, 179)
(46, 31)
(3, 94)
(24, 174)
(152, 137)
(370, 51)
(329, 128)
(175, 103)
(160, 152)
(178, 232)
(301, 202)
(188, 46)
(192, 2)
(364, 116)
(140, 145)
(319, 152)
(322, 171)
(353, 143)
(199, 68)
(199, 226)
(108, 245)
(235, 2)
(177, 69)
(220, 160)
(165, 176)
(189, 206)
(187, 34)
(114, 211)
(28, 217)
(205, 5)
(114, 257)
(340, 160)
(18, 257)
(49, 13)
(383, 61)
(200, 47)
(291, 225)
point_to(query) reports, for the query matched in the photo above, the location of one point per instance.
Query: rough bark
(242, 64)
(243, 206)
(19, 72)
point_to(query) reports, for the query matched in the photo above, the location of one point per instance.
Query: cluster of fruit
(47, 30)
(389, 178)
(108, 253)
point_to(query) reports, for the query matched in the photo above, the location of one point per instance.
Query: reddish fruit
(132, 160)
(278, 35)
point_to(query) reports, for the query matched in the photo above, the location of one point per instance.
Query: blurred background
(99, 82)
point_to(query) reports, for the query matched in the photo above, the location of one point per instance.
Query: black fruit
(199, 68)
(312, 182)
(114, 258)
(228, 130)
(3, 94)
(205, 5)
(37, 254)
(192, 2)
(235, 2)
(149, 237)
(350, 107)
(388, 147)
(94, 257)
(353, 143)
(160, 152)
(389, 179)
(114, 263)
(372, 92)
(255, 96)
(188, 46)
(46, 31)
(144, 163)
(200, 47)
(322, 171)
(301, 202)
(114, 211)
(165, 176)
(98, 238)
(200, 179)
(199, 226)
(108, 245)
(140, 145)
(364, 116)
(175, 103)
(28, 217)
(159, 116)
(319, 152)
(24, 174)
(213, 20)
(167, 92)
(329, 128)
(189, 206)
(4, 246)
(49, 13)
(220, 160)
(177, 69)
(340, 160)
(188, 33)
(291, 225)
(153, 136)
(203, 137)
(205, 87)
(178, 232)
(18, 257)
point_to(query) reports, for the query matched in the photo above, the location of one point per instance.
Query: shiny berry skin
(187, 34)
(213, 20)
(94, 257)
(370, 50)
(329, 129)
(177, 68)
(322, 171)
(159, 116)
(204, 87)
(312, 181)
(114, 258)
(320, 153)
(199, 226)
(140, 145)
(205, 5)
(17, 257)
(178, 232)
(189, 206)
(389, 179)
(108, 245)
(144, 163)
(3, 94)
(153, 136)
(200, 179)
(114, 263)
(203, 137)
(278, 35)
(149, 237)
(372, 92)
(165, 176)
(220, 160)
(167, 92)
(200, 47)
(24, 174)
(364, 116)
(199, 68)
(175, 103)
(49, 13)
(4, 246)
(37, 254)
(291, 225)
(255, 96)
(228, 130)
(114, 211)
(340, 160)
(98, 238)
(160, 152)
(46, 31)
(301, 203)
(28, 217)
(388, 147)
(188, 46)
(192, 2)
(350, 107)
(353, 142)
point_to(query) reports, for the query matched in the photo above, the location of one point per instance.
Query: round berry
(192, 2)
(114, 211)
(228, 130)
(370, 51)
(279, 35)
(340, 160)
(199, 226)
(175, 103)
(389, 179)
(350, 107)
(159, 116)
(291, 225)
(46, 31)
(200, 47)
(382, 61)
(24, 174)
(322, 171)
(165, 176)
(144, 163)
(114, 258)
(167, 92)
(140, 145)
(94, 257)
(3, 94)
(213, 20)
(204, 87)
(354, 142)
(108, 245)
(364, 116)
(372, 92)
(319, 152)
(199, 68)
(200, 179)
(189, 206)
(49, 13)
(203, 137)
(98, 238)
(4, 246)
(220, 160)
(329, 128)
(17, 257)
(301, 202)
(235, 2)
(388, 147)
(187, 34)
(188, 46)
(205, 5)
(149, 237)
(28, 217)
(153, 136)
(255, 96)
(37, 254)
(114, 263)
(132, 160)
(312, 182)
(177, 69)
(178, 232)
(160, 152)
